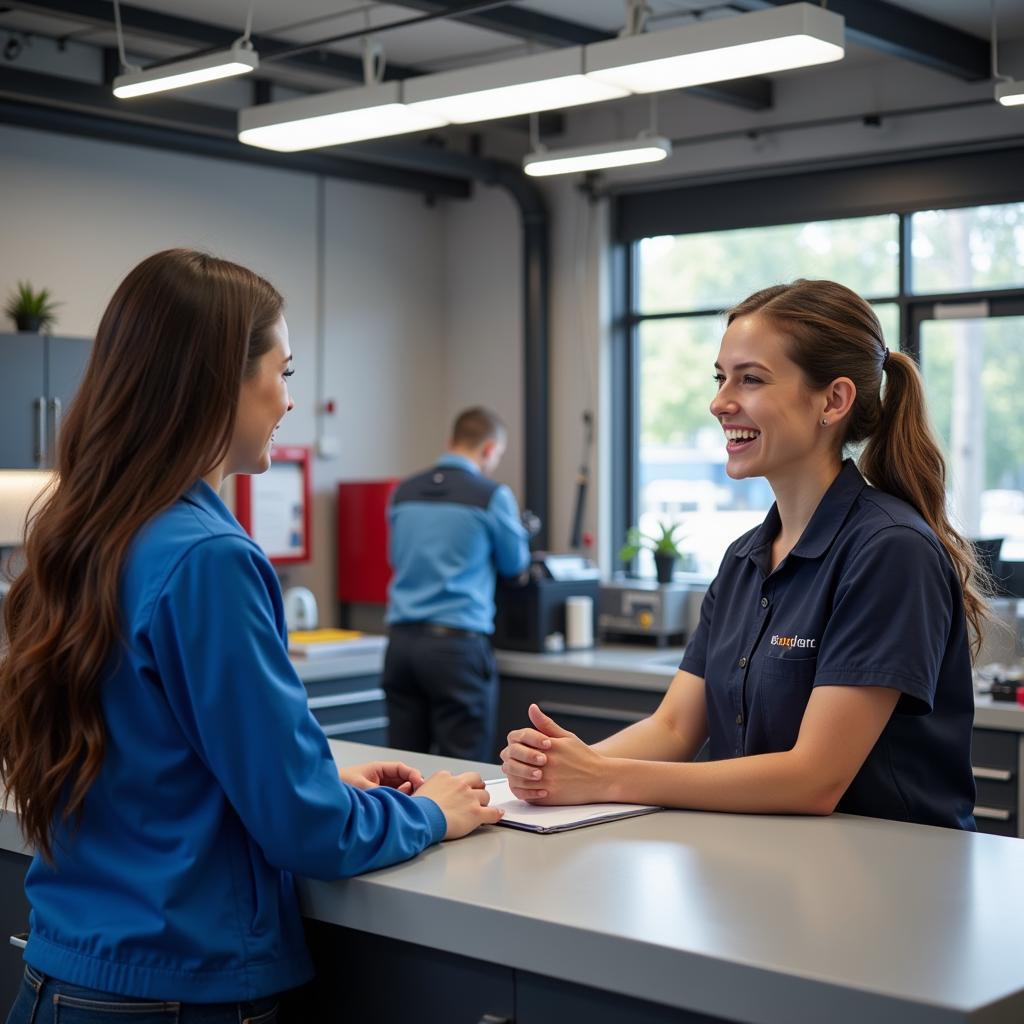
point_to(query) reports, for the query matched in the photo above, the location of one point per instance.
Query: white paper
(537, 818)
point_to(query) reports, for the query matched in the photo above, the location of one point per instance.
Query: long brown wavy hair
(155, 412)
(832, 332)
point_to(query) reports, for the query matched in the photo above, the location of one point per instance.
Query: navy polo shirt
(867, 597)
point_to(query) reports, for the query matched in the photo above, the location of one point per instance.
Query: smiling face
(262, 404)
(771, 418)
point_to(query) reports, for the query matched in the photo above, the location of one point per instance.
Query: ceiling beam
(169, 28)
(521, 23)
(58, 104)
(913, 37)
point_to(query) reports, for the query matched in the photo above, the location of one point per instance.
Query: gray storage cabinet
(40, 375)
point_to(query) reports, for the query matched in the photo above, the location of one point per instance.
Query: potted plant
(31, 310)
(664, 545)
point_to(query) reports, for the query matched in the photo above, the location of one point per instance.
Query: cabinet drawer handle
(991, 813)
(21, 941)
(996, 774)
(361, 725)
(493, 1018)
(340, 700)
(40, 453)
(589, 711)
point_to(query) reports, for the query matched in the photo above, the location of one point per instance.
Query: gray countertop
(760, 919)
(757, 919)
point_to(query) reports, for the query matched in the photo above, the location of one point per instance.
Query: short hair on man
(475, 426)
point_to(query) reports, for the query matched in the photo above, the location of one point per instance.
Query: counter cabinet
(357, 974)
(350, 708)
(592, 712)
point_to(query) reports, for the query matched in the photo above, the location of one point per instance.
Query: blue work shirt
(216, 786)
(867, 597)
(452, 529)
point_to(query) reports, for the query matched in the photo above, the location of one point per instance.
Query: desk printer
(528, 611)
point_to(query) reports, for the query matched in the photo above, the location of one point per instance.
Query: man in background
(452, 529)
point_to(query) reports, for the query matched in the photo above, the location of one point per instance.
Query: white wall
(483, 317)
(78, 214)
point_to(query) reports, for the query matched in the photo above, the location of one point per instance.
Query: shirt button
(764, 602)
(743, 662)
(739, 719)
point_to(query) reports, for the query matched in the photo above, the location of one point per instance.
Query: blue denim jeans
(44, 1000)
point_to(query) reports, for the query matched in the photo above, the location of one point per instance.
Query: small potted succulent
(665, 547)
(31, 310)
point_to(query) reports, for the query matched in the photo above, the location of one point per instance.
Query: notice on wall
(274, 506)
(278, 510)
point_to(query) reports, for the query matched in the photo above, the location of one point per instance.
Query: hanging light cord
(125, 66)
(246, 40)
(995, 48)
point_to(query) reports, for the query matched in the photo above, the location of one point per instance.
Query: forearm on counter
(653, 738)
(780, 783)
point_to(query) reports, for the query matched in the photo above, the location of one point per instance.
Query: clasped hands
(550, 765)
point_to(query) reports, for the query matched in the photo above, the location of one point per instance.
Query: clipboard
(543, 820)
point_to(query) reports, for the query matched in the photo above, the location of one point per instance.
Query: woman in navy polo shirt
(831, 669)
(154, 736)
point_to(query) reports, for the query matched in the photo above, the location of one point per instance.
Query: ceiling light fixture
(239, 59)
(577, 159)
(332, 118)
(1008, 92)
(525, 85)
(761, 42)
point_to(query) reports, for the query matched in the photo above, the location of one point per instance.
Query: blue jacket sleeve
(219, 641)
(511, 544)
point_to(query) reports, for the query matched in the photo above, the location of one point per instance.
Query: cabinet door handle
(21, 941)
(992, 813)
(56, 409)
(493, 1018)
(996, 774)
(590, 711)
(40, 453)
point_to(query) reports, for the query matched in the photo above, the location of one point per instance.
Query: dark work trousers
(442, 693)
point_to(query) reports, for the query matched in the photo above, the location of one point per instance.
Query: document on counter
(539, 818)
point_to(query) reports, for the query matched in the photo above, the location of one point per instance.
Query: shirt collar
(205, 497)
(459, 462)
(828, 517)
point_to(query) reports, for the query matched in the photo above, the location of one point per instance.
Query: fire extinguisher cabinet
(363, 569)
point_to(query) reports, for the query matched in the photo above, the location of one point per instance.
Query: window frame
(955, 182)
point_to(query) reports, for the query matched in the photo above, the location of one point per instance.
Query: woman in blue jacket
(831, 669)
(154, 736)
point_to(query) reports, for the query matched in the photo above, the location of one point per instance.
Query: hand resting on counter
(463, 799)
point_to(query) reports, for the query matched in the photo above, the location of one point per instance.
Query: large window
(948, 283)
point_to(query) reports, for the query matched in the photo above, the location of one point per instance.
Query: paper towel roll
(579, 622)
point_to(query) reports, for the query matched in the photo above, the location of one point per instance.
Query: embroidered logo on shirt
(793, 641)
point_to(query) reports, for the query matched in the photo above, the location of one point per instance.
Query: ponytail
(902, 458)
(834, 333)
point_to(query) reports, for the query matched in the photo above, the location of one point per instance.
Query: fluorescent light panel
(1010, 94)
(596, 157)
(332, 119)
(239, 60)
(526, 85)
(758, 43)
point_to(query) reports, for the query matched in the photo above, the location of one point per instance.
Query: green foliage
(25, 301)
(665, 543)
